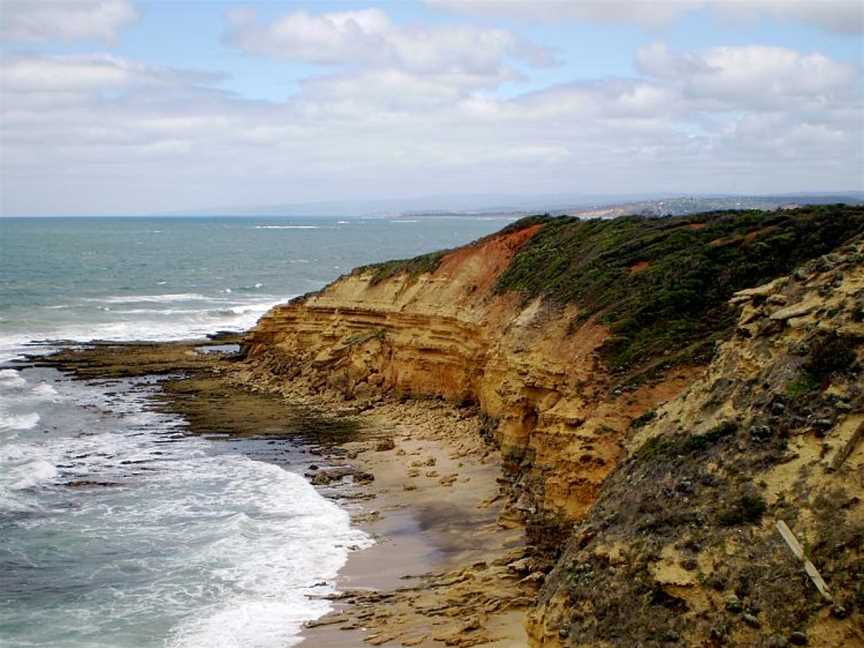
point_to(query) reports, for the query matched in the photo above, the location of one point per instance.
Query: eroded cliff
(448, 333)
(591, 350)
(683, 545)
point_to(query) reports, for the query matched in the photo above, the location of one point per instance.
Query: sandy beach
(445, 568)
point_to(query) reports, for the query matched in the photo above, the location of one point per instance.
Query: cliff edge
(657, 405)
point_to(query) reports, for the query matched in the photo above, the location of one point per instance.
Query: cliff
(682, 545)
(583, 343)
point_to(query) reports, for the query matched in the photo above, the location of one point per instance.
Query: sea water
(116, 528)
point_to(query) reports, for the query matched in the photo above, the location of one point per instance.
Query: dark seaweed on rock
(662, 284)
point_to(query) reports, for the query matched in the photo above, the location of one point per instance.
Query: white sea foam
(18, 421)
(145, 324)
(23, 466)
(287, 227)
(242, 543)
(269, 555)
(44, 389)
(158, 311)
(32, 473)
(10, 378)
(159, 299)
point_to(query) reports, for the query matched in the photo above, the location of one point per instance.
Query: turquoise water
(116, 529)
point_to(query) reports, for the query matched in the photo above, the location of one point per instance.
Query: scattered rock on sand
(385, 444)
(325, 476)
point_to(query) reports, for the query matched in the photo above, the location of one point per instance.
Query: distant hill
(573, 204)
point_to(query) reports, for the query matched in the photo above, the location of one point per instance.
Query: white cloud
(101, 133)
(35, 73)
(64, 20)
(648, 13)
(841, 16)
(750, 75)
(384, 90)
(368, 37)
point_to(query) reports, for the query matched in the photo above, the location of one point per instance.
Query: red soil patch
(649, 396)
(639, 266)
(697, 226)
(751, 236)
(482, 262)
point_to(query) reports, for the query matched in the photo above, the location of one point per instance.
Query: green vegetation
(802, 385)
(830, 353)
(675, 445)
(662, 285)
(643, 420)
(412, 267)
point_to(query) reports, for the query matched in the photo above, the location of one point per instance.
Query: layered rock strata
(558, 420)
(673, 483)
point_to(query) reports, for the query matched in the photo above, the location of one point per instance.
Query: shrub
(747, 509)
(676, 305)
(831, 353)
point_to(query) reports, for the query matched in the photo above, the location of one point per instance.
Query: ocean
(117, 529)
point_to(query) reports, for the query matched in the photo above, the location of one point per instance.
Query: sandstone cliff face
(682, 546)
(532, 368)
(675, 480)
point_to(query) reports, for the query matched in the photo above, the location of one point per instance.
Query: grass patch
(414, 267)
(677, 306)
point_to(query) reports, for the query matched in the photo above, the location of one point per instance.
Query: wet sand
(438, 574)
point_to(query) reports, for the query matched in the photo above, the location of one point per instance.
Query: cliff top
(659, 284)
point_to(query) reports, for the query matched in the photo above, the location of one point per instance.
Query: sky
(114, 107)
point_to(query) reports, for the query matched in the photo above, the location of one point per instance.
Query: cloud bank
(840, 16)
(64, 20)
(106, 134)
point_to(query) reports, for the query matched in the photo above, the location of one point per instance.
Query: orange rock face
(532, 367)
